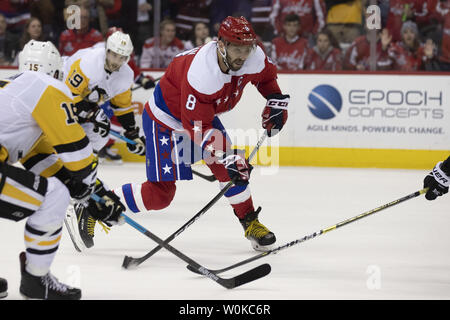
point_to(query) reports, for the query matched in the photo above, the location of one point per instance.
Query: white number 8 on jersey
(190, 103)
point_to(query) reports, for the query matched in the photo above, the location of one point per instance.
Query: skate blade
(71, 224)
(257, 247)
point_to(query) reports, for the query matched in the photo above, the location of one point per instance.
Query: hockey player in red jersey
(198, 85)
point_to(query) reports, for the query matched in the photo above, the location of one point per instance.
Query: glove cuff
(440, 175)
(278, 101)
(445, 166)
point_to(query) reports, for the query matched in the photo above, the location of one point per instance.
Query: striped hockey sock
(41, 247)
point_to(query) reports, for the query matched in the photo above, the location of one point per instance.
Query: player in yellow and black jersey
(96, 75)
(37, 119)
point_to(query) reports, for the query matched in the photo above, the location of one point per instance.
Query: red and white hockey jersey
(194, 90)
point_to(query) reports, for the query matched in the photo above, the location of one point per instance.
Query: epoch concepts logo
(324, 102)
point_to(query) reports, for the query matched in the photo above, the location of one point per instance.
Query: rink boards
(382, 120)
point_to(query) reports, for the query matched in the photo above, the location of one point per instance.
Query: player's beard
(235, 64)
(112, 66)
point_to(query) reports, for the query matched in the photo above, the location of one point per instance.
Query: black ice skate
(260, 237)
(3, 288)
(81, 227)
(46, 287)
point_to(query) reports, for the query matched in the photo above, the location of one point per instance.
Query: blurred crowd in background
(296, 34)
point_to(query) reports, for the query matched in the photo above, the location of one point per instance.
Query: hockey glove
(84, 110)
(109, 209)
(275, 113)
(139, 147)
(238, 167)
(79, 189)
(437, 182)
(147, 82)
(101, 122)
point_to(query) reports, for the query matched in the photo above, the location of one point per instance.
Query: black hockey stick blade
(129, 262)
(246, 277)
(253, 274)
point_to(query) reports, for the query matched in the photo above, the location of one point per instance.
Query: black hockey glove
(109, 208)
(275, 113)
(147, 82)
(437, 182)
(238, 167)
(139, 147)
(101, 122)
(78, 189)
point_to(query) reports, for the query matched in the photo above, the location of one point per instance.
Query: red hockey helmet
(237, 30)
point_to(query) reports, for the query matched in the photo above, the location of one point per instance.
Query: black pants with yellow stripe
(21, 192)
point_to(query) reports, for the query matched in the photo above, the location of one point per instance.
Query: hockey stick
(315, 234)
(210, 178)
(248, 276)
(116, 134)
(134, 262)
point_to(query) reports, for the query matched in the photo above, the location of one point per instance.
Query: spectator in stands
(357, 56)
(189, 12)
(220, 9)
(409, 54)
(427, 21)
(158, 52)
(441, 10)
(345, 20)
(200, 36)
(289, 50)
(326, 54)
(260, 20)
(45, 10)
(399, 12)
(72, 40)
(99, 16)
(17, 13)
(137, 21)
(113, 13)
(311, 13)
(8, 43)
(32, 31)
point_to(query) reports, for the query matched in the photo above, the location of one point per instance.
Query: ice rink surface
(402, 252)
